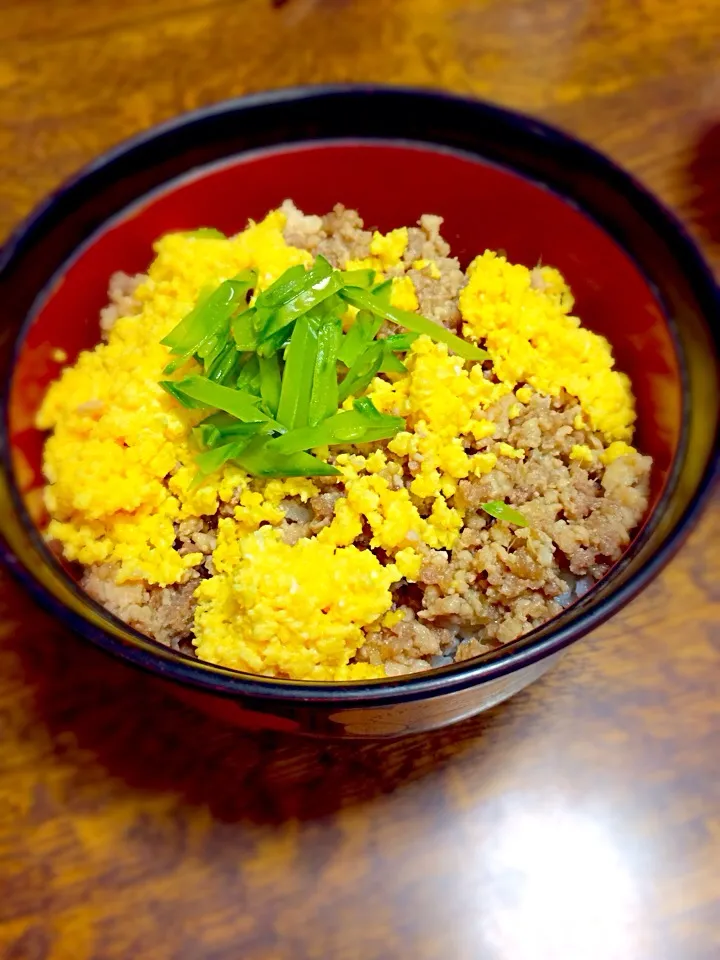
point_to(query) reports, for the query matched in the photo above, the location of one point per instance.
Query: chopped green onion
(175, 364)
(365, 406)
(208, 317)
(401, 341)
(208, 394)
(249, 376)
(283, 289)
(214, 458)
(270, 381)
(362, 372)
(294, 405)
(171, 387)
(271, 369)
(260, 461)
(359, 337)
(332, 306)
(364, 424)
(294, 281)
(243, 330)
(210, 350)
(205, 293)
(319, 289)
(222, 420)
(383, 290)
(324, 392)
(391, 363)
(226, 366)
(396, 342)
(221, 428)
(503, 511)
(364, 300)
(277, 342)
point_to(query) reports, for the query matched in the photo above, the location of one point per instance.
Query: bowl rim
(223, 681)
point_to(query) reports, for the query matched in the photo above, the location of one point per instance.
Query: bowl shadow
(104, 718)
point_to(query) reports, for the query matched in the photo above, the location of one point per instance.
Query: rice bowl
(508, 486)
(501, 182)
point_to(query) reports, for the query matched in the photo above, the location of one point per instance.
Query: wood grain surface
(581, 821)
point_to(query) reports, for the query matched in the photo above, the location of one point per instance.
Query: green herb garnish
(358, 278)
(363, 371)
(320, 283)
(276, 372)
(363, 424)
(324, 397)
(260, 461)
(503, 511)
(215, 457)
(204, 393)
(249, 375)
(207, 325)
(270, 382)
(359, 337)
(366, 300)
(222, 428)
(294, 407)
(391, 363)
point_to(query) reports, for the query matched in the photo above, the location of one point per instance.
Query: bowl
(500, 180)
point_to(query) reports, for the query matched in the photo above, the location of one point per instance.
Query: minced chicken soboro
(393, 566)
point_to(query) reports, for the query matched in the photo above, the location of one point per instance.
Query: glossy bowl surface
(501, 181)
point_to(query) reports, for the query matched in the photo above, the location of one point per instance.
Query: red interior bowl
(484, 206)
(501, 182)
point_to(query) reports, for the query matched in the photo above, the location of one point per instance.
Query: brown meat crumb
(163, 613)
(345, 239)
(121, 292)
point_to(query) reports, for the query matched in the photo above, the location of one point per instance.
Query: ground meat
(344, 237)
(324, 505)
(121, 291)
(605, 532)
(424, 241)
(302, 230)
(472, 647)
(499, 583)
(194, 535)
(307, 519)
(405, 647)
(435, 567)
(339, 236)
(438, 298)
(163, 613)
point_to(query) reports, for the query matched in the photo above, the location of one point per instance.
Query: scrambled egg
(291, 611)
(386, 250)
(524, 318)
(440, 399)
(116, 429)
(120, 468)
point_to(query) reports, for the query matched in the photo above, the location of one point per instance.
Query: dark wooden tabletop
(580, 821)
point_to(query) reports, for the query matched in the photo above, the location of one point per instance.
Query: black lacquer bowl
(500, 180)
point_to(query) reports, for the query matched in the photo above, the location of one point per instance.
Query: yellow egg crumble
(290, 610)
(120, 468)
(524, 318)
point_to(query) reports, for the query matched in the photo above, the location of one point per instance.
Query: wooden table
(579, 821)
